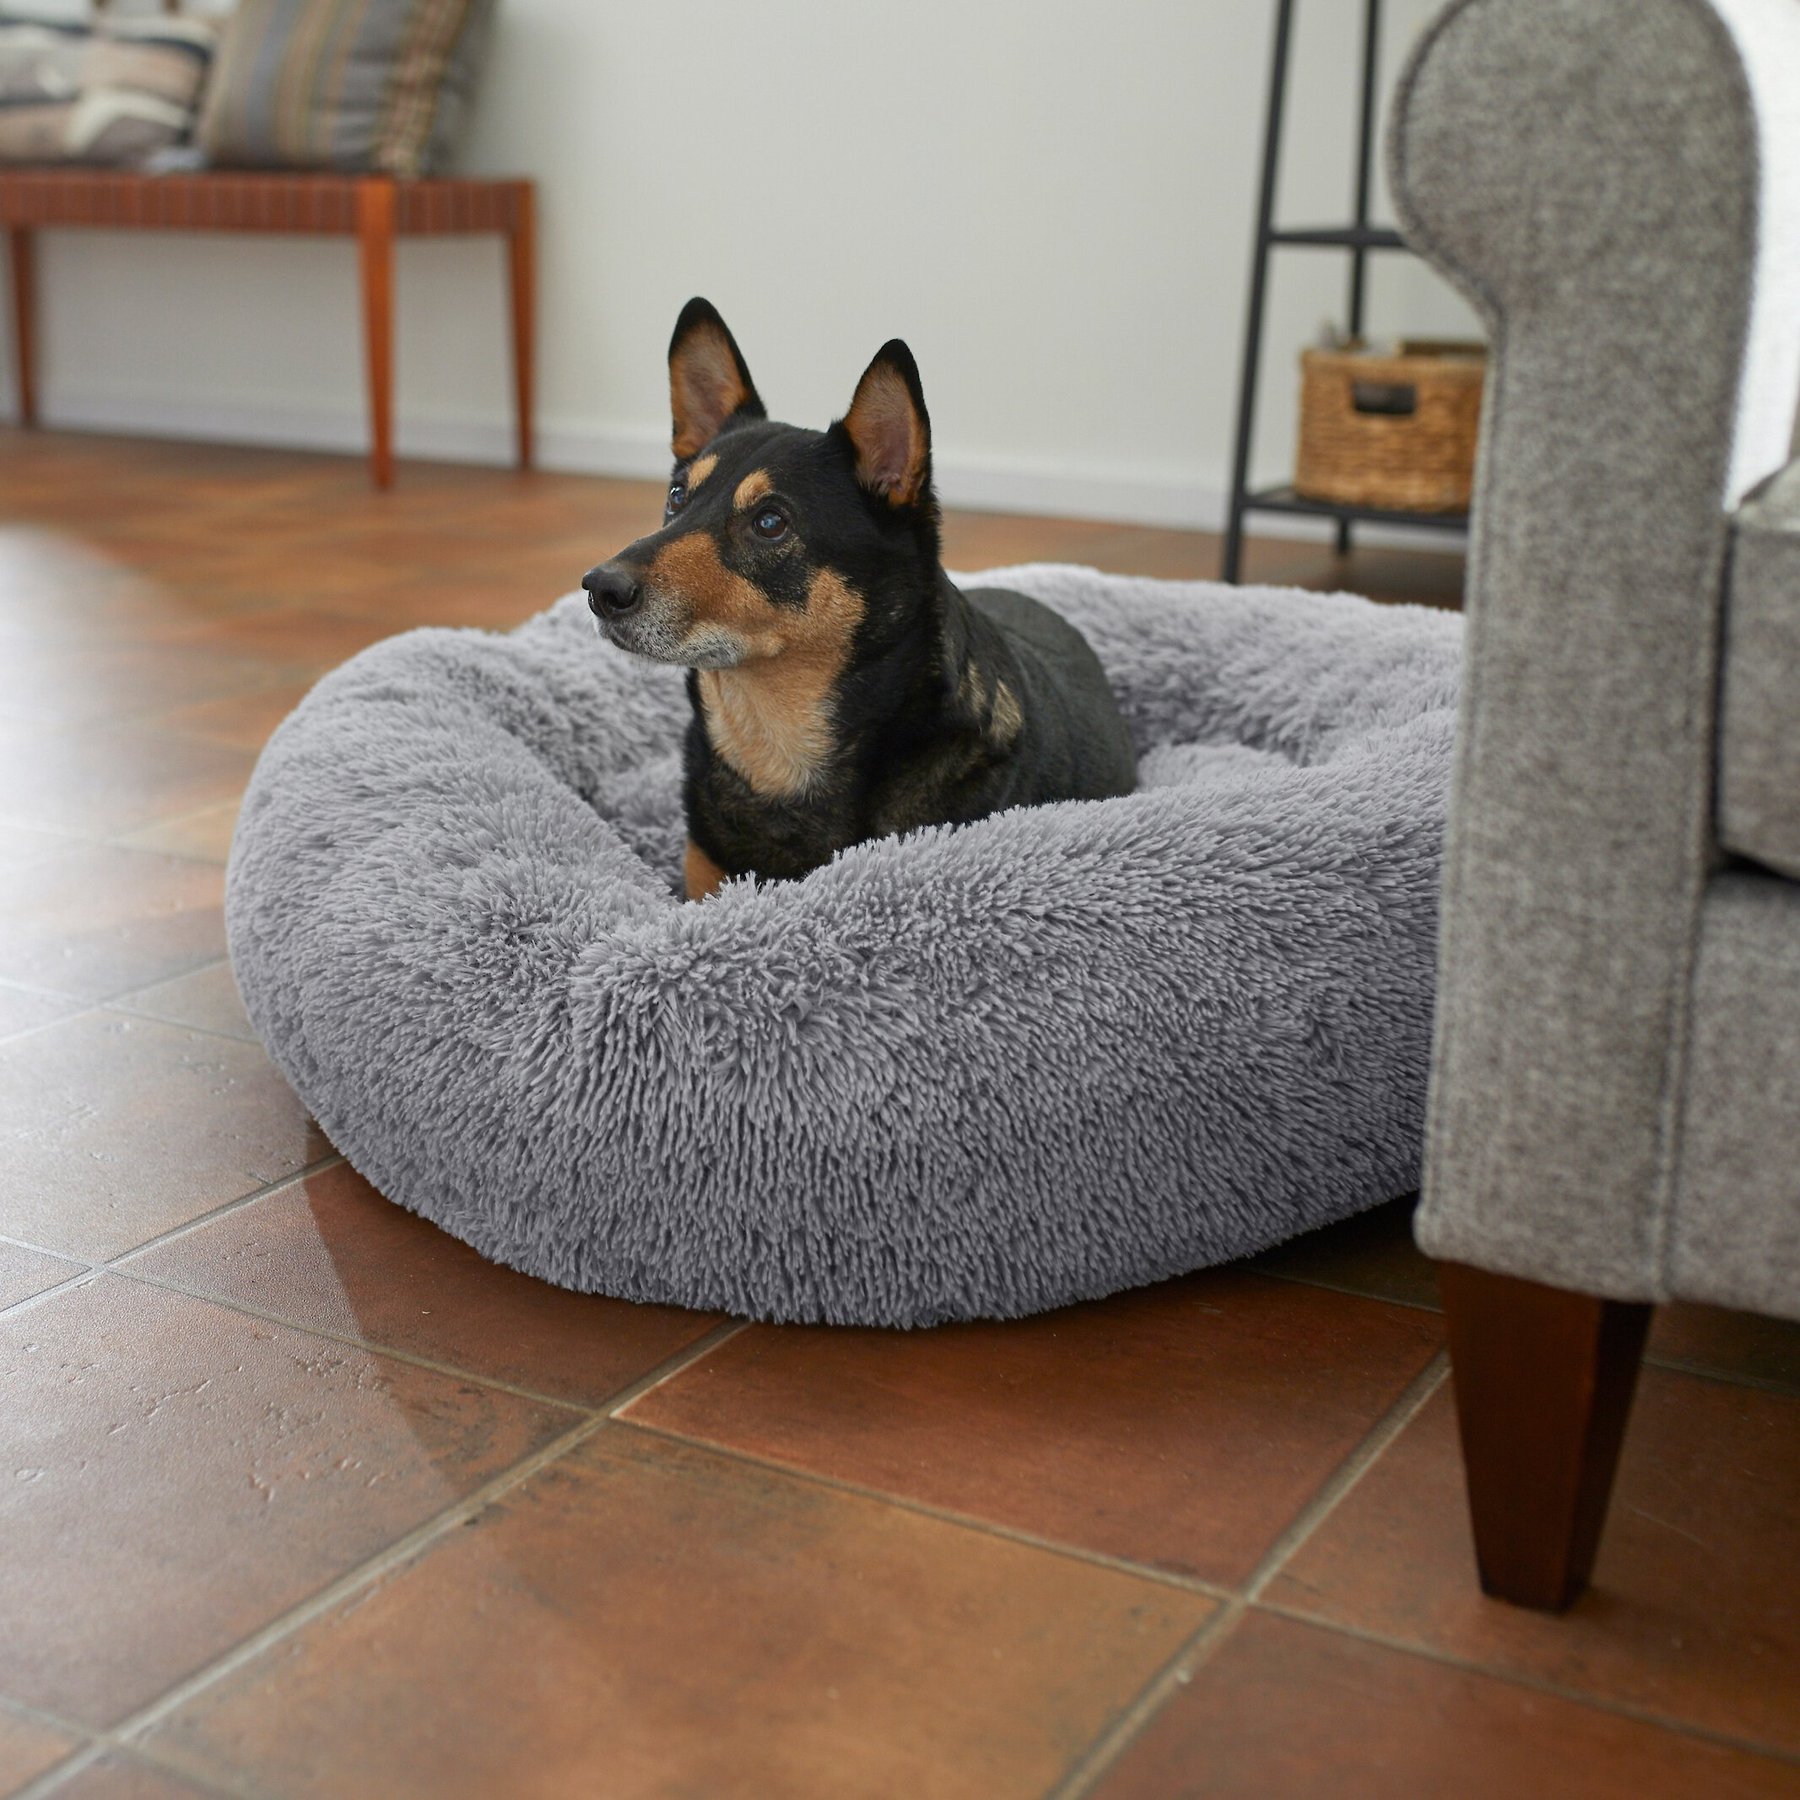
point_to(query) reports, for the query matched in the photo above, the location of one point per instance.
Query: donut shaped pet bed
(969, 1072)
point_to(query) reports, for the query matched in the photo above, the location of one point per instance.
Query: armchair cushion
(1735, 1231)
(1759, 736)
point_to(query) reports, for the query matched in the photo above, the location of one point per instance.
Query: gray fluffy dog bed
(965, 1073)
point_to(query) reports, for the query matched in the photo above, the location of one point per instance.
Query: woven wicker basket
(1394, 431)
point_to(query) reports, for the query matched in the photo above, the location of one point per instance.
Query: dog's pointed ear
(708, 379)
(889, 428)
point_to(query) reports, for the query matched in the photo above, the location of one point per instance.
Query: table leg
(375, 212)
(22, 247)
(521, 249)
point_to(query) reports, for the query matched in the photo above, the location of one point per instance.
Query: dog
(843, 688)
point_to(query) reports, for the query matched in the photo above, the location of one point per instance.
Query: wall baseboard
(1125, 496)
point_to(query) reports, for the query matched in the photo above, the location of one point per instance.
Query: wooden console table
(373, 209)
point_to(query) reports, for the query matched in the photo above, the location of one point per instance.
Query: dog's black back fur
(843, 687)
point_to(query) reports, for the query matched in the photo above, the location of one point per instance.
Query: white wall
(1051, 200)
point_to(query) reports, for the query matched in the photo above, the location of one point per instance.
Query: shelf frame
(1358, 240)
(1285, 500)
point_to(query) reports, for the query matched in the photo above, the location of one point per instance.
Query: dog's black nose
(612, 592)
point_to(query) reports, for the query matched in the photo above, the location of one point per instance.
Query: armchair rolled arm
(1594, 178)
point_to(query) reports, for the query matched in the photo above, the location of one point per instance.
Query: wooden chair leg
(22, 248)
(375, 214)
(1543, 1380)
(521, 250)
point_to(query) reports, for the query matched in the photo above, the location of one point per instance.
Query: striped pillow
(116, 91)
(356, 85)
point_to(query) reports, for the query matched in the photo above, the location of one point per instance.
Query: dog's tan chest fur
(771, 722)
(771, 718)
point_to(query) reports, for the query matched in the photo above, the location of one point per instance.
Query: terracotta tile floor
(299, 1497)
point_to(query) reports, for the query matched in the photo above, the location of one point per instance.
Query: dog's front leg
(700, 874)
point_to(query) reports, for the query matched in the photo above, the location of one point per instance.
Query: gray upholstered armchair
(1615, 1105)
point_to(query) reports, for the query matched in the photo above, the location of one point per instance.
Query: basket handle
(1396, 399)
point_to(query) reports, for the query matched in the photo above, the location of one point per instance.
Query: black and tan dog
(842, 687)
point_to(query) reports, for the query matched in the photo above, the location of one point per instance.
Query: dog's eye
(771, 522)
(677, 500)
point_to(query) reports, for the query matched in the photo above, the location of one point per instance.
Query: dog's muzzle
(634, 615)
(649, 621)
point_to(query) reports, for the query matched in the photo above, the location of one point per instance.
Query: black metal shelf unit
(1358, 239)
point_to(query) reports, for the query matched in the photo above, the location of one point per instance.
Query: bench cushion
(381, 87)
(111, 92)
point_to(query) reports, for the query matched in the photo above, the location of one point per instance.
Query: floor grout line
(149, 1018)
(113, 1265)
(114, 995)
(1728, 1377)
(123, 1266)
(121, 840)
(93, 1744)
(404, 1549)
(66, 833)
(1652, 1357)
(49, 993)
(46, 1784)
(305, 1173)
(217, 962)
(943, 1515)
(1536, 1684)
(1349, 1472)
(1104, 1753)
(85, 1273)
(39, 1715)
(119, 837)
(1355, 1293)
(189, 856)
(86, 1746)
(82, 1009)
(150, 718)
(226, 1787)
(82, 1004)
(671, 1366)
(19, 1243)
(369, 1346)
